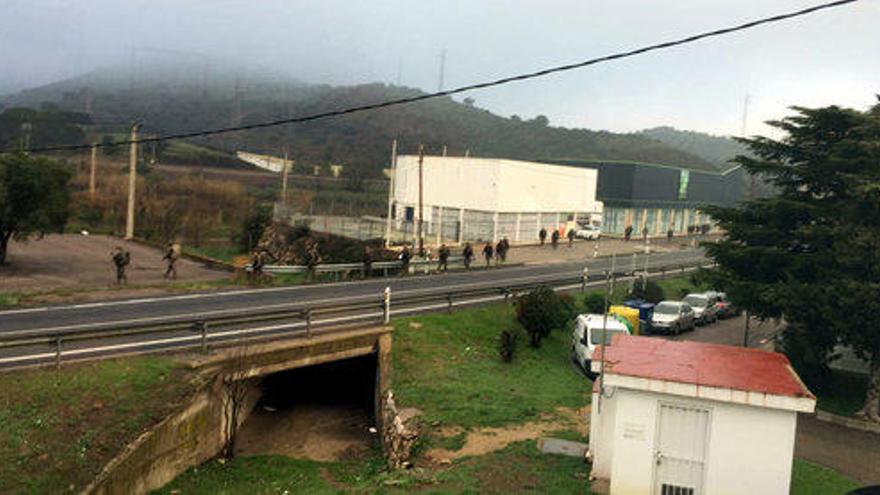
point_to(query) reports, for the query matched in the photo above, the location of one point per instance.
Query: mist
(825, 58)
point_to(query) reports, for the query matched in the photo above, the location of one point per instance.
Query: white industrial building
(692, 418)
(487, 199)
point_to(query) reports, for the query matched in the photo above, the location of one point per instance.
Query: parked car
(672, 317)
(726, 309)
(587, 334)
(589, 232)
(705, 309)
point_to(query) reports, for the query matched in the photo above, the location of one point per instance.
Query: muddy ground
(73, 261)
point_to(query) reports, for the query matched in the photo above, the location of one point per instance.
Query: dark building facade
(658, 197)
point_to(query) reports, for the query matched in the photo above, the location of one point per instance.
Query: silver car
(705, 306)
(672, 317)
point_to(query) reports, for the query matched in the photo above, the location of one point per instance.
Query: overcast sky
(828, 57)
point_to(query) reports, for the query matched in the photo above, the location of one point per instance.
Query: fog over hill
(181, 98)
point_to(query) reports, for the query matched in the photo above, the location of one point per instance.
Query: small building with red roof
(689, 418)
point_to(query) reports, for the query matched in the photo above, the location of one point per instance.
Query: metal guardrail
(341, 269)
(200, 330)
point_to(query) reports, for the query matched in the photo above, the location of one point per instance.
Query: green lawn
(808, 478)
(516, 468)
(450, 369)
(59, 428)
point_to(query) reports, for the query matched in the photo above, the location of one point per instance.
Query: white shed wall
(496, 185)
(750, 449)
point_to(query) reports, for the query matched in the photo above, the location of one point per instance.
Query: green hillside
(361, 141)
(717, 150)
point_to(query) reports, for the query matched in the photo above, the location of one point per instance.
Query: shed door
(680, 450)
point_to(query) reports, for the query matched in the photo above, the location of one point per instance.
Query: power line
(471, 87)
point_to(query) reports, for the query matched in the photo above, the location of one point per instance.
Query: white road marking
(235, 292)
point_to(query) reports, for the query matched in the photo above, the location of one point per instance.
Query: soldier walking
(443, 258)
(487, 253)
(554, 239)
(405, 256)
(505, 245)
(121, 259)
(627, 232)
(468, 255)
(170, 259)
(542, 234)
(368, 261)
(570, 237)
(313, 258)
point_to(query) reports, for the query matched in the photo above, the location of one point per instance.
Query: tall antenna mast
(743, 132)
(442, 70)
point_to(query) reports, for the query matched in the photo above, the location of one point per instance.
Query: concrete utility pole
(285, 170)
(421, 199)
(442, 70)
(390, 193)
(132, 182)
(745, 123)
(92, 169)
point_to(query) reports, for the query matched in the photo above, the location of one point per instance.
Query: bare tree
(235, 387)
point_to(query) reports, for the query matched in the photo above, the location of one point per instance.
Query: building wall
(750, 449)
(495, 185)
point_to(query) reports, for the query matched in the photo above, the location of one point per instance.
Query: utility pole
(92, 169)
(390, 193)
(421, 199)
(132, 182)
(285, 170)
(26, 129)
(442, 70)
(743, 130)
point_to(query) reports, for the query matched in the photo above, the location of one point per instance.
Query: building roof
(705, 365)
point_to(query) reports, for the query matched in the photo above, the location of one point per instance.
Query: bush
(594, 302)
(259, 217)
(652, 292)
(542, 310)
(507, 345)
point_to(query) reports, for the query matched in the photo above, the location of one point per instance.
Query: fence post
(58, 352)
(386, 297)
(202, 327)
(449, 301)
(584, 276)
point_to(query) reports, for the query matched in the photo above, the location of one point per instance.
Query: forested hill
(361, 141)
(717, 150)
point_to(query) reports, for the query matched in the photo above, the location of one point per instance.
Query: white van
(587, 335)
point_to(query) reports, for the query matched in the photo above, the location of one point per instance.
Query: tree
(259, 217)
(811, 253)
(34, 198)
(542, 310)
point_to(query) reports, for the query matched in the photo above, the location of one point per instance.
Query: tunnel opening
(323, 412)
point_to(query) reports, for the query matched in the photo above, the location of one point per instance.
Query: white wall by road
(489, 184)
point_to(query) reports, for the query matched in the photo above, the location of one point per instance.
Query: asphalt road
(53, 318)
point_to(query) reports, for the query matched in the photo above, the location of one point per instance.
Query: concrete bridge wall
(196, 434)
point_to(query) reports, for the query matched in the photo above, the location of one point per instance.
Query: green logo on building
(683, 184)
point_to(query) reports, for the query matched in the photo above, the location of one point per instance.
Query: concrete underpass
(323, 412)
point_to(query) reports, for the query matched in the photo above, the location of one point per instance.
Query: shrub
(542, 310)
(652, 292)
(594, 302)
(507, 345)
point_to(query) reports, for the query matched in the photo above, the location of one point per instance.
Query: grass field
(59, 428)
(808, 478)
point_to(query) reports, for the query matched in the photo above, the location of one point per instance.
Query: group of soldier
(121, 259)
